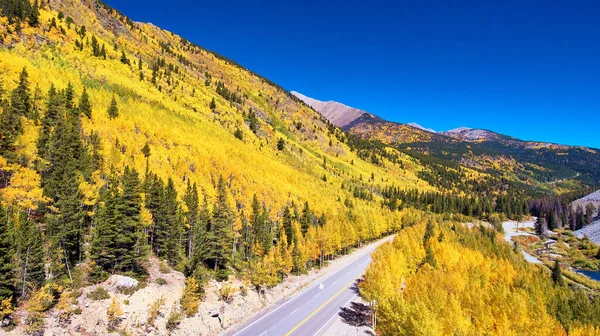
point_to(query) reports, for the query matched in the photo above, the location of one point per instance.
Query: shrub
(64, 306)
(44, 299)
(128, 290)
(114, 313)
(82, 274)
(223, 274)
(161, 281)
(100, 293)
(243, 290)
(6, 308)
(238, 134)
(495, 220)
(76, 294)
(155, 310)
(174, 318)
(34, 323)
(164, 268)
(190, 299)
(227, 292)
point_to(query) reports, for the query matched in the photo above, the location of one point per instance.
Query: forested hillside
(122, 143)
(535, 166)
(443, 278)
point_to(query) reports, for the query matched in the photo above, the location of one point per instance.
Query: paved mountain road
(311, 311)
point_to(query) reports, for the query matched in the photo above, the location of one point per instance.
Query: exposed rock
(338, 113)
(119, 281)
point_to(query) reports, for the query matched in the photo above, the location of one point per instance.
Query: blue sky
(530, 69)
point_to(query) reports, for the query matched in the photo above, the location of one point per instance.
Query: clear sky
(530, 69)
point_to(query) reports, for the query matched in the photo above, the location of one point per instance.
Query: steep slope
(120, 141)
(592, 201)
(337, 113)
(188, 138)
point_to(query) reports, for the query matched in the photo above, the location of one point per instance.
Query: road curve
(313, 309)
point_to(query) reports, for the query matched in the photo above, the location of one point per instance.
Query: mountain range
(537, 164)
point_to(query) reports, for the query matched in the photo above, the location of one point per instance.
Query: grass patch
(100, 293)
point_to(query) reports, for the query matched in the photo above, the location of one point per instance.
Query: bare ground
(93, 318)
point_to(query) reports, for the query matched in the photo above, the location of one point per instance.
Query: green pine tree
(6, 256)
(69, 99)
(118, 241)
(429, 233)
(557, 274)
(146, 150)
(21, 100)
(85, 107)
(154, 188)
(67, 160)
(130, 240)
(192, 203)
(54, 110)
(172, 225)
(287, 224)
(30, 255)
(260, 229)
(113, 109)
(103, 245)
(10, 121)
(220, 235)
(306, 218)
(280, 144)
(34, 14)
(124, 58)
(201, 247)
(66, 227)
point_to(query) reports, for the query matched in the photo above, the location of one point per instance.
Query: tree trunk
(25, 272)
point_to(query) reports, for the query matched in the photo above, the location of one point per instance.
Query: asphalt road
(311, 311)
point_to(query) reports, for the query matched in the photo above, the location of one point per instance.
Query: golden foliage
(6, 308)
(227, 292)
(24, 189)
(44, 298)
(113, 313)
(469, 292)
(155, 310)
(190, 299)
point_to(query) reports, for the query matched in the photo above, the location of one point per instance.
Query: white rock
(120, 281)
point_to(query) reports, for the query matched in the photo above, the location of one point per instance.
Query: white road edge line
(311, 287)
(334, 316)
(295, 310)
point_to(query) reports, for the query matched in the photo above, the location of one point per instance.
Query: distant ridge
(338, 113)
(415, 125)
(531, 162)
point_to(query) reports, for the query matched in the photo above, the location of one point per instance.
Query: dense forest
(443, 278)
(556, 212)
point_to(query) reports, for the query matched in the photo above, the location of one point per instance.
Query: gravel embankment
(510, 231)
(592, 231)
